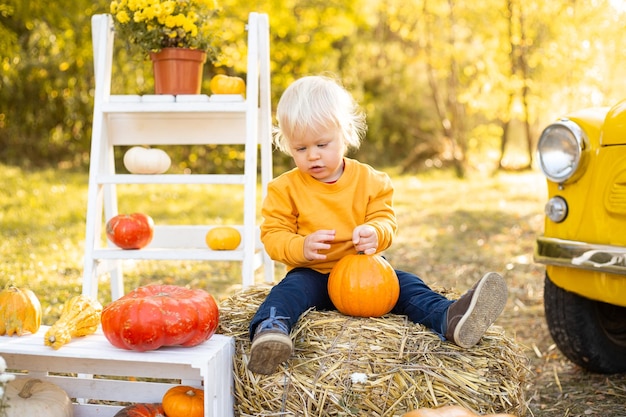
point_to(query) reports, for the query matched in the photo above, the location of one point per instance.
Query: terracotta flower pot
(178, 70)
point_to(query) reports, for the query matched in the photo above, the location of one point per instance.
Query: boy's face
(319, 153)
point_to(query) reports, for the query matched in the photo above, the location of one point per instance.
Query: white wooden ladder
(126, 120)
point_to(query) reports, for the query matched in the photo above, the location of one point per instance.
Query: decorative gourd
(27, 397)
(448, 411)
(224, 84)
(223, 238)
(363, 285)
(160, 315)
(184, 401)
(20, 311)
(140, 160)
(141, 410)
(80, 317)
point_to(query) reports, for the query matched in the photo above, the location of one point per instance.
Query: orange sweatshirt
(297, 205)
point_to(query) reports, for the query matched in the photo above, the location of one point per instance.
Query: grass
(451, 232)
(43, 230)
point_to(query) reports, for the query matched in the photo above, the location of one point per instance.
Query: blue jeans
(304, 288)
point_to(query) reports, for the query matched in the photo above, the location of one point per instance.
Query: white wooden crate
(101, 376)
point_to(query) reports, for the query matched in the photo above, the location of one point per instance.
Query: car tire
(589, 333)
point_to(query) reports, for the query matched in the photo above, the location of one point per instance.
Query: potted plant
(171, 33)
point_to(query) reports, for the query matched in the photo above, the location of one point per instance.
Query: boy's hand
(315, 242)
(365, 239)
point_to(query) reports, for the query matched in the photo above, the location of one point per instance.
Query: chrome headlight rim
(577, 137)
(556, 209)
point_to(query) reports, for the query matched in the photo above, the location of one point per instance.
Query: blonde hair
(318, 102)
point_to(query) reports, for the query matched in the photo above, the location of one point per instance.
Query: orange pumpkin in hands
(363, 285)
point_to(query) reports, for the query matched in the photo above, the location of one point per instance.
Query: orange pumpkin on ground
(363, 286)
(184, 401)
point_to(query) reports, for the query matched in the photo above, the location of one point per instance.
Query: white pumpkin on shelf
(140, 160)
(34, 397)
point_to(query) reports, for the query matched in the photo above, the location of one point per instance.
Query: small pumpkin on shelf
(33, 397)
(142, 410)
(20, 311)
(223, 238)
(184, 401)
(80, 317)
(130, 231)
(225, 84)
(363, 285)
(140, 160)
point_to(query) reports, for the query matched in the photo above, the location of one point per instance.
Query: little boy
(329, 206)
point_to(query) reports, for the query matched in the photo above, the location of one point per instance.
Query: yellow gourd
(20, 311)
(80, 317)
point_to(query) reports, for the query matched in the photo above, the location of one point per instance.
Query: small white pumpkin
(140, 160)
(34, 397)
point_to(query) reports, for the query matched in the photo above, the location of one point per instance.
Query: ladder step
(173, 254)
(143, 105)
(231, 179)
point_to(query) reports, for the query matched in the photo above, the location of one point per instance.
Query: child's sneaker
(271, 345)
(470, 316)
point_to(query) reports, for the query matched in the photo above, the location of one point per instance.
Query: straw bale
(349, 366)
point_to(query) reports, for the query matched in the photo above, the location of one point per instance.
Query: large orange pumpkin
(184, 401)
(160, 315)
(363, 285)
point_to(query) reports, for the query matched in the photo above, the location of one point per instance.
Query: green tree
(46, 81)
(443, 82)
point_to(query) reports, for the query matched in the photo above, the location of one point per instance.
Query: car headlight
(556, 209)
(562, 151)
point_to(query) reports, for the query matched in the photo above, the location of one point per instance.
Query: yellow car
(583, 156)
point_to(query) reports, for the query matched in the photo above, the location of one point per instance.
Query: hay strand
(348, 366)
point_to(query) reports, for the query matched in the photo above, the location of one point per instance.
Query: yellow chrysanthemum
(168, 6)
(122, 17)
(170, 22)
(155, 24)
(190, 28)
(149, 12)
